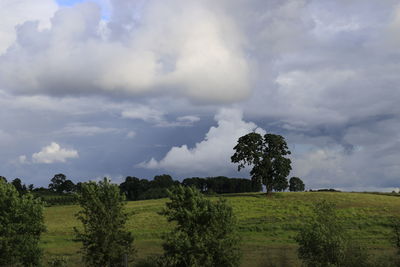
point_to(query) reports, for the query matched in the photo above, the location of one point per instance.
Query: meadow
(267, 226)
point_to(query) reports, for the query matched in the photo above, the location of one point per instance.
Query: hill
(267, 225)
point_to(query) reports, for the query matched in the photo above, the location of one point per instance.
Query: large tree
(267, 156)
(106, 241)
(204, 233)
(21, 224)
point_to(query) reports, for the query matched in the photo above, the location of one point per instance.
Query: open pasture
(267, 225)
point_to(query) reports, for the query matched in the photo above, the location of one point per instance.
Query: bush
(322, 240)
(21, 224)
(205, 231)
(105, 240)
(58, 261)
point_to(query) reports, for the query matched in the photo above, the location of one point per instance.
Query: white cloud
(86, 130)
(188, 119)
(144, 113)
(54, 153)
(22, 159)
(126, 56)
(131, 134)
(13, 13)
(157, 117)
(212, 155)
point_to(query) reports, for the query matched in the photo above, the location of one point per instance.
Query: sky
(122, 88)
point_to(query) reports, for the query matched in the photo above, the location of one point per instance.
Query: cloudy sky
(121, 87)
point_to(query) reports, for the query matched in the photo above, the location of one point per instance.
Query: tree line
(60, 190)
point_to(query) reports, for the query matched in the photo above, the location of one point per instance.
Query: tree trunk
(269, 190)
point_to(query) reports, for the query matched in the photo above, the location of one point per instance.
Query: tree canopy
(267, 156)
(105, 240)
(205, 231)
(21, 224)
(296, 184)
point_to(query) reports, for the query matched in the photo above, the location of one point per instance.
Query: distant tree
(60, 184)
(205, 231)
(57, 182)
(106, 242)
(31, 187)
(3, 179)
(131, 188)
(280, 184)
(68, 186)
(296, 184)
(21, 224)
(267, 156)
(21, 188)
(197, 182)
(162, 181)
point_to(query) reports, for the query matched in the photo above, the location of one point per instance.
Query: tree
(296, 185)
(131, 188)
(60, 184)
(162, 181)
(21, 224)
(205, 232)
(322, 240)
(57, 182)
(280, 184)
(105, 240)
(68, 186)
(267, 156)
(21, 188)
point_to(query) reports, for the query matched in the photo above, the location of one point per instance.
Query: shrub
(21, 224)
(205, 231)
(322, 240)
(105, 240)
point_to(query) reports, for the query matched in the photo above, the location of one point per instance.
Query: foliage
(58, 262)
(296, 185)
(267, 156)
(162, 181)
(396, 233)
(2, 178)
(60, 184)
(205, 231)
(21, 224)
(105, 240)
(222, 184)
(131, 188)
(135, 189)
(21, 188)
(322, 241)
(280, 184)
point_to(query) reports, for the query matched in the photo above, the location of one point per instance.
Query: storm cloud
(141, 87)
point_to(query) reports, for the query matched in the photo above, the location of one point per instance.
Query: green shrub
(21, 224)
(105, 240)
(322, 239)
(59, 261)
(205, 232)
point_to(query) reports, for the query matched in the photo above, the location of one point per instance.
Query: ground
(267, 225)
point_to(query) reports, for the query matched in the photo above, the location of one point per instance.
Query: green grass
(267, 225)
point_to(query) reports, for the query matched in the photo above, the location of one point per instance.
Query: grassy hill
(267, 225)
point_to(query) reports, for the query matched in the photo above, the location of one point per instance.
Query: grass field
(267, 225)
